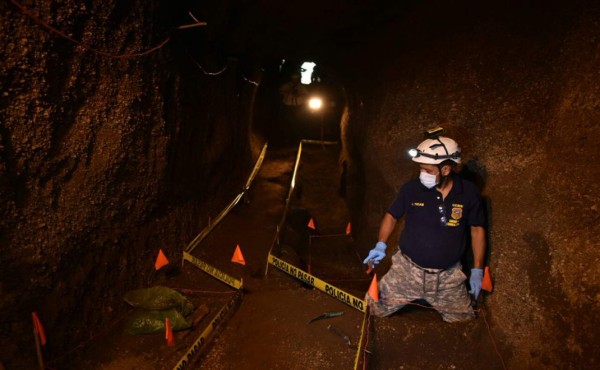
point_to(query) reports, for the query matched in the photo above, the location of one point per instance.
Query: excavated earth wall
(105, 160)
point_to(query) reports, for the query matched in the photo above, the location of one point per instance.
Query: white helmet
(436, 150)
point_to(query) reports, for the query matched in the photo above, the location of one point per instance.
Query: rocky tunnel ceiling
(305, 29)
(100, 157)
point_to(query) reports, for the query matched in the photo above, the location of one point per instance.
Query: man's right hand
(376, 254)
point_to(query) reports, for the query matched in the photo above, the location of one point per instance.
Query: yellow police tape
(201, 341)
(309, 279)
(213, 271)
(194, 243)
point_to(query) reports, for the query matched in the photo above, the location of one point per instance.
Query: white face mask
(428, 180)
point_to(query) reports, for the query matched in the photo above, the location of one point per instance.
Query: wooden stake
(38, 349)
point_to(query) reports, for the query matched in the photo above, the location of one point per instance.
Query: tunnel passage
(283, 112)
(100, 157)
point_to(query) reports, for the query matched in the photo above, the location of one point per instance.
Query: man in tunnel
(439, 209)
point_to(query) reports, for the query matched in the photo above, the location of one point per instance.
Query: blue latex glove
(378, 253)
(475, 282)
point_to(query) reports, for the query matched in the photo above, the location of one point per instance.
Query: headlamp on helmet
(435, 149)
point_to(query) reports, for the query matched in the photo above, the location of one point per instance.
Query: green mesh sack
(159, 298)
(149, 322)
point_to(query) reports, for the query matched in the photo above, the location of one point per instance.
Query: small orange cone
(169, 333)
(39, 329)
(374, 289)
(161, 260)
(311, 224)
(238, 257)
(486, 284)
(349, 229)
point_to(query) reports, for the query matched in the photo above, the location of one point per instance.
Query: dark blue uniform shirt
(435, 231)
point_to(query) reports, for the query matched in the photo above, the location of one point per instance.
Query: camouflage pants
(444, 290)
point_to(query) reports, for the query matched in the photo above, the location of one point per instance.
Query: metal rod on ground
(340, 334)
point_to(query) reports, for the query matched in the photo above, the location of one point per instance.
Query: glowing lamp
(315, 103)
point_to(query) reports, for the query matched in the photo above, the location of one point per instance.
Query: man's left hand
(475, 282)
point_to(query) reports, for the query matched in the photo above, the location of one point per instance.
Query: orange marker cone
(238, 257)
(169, 333)
(39, 329)
(374, 289)
(486, 284)
(311, 224)
(349, 229)
(161, 260)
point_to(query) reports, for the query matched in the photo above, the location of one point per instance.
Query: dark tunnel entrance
(283, 112)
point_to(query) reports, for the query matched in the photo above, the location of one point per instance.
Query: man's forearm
(387, 226)
(478, 244)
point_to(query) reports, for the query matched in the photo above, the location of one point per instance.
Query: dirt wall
(105, 160)
(517, 85)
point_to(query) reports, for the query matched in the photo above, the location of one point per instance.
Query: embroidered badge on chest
(457, 213)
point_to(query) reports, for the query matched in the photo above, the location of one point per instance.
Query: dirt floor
(269, 328)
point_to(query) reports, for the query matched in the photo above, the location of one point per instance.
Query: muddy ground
(269, 329)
